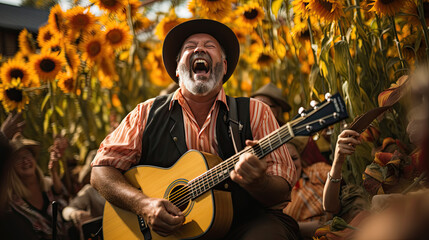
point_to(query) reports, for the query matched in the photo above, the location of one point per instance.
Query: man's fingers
(349, 132)
(251, 143)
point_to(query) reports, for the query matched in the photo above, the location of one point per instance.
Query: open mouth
(200, 66)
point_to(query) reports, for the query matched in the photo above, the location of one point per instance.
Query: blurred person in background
(88, 205)
(273, 97)
(306, 198)
(30, 193)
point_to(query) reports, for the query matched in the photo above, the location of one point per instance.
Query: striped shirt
(122, 148)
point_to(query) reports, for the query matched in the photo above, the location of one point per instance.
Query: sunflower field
(84, 72)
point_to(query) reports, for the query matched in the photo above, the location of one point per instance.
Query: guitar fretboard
(221, 172)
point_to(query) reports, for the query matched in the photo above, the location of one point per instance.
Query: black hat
(224, 35)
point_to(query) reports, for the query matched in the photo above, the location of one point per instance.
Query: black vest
(164, 143)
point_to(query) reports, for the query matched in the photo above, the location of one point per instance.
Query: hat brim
(224, 35)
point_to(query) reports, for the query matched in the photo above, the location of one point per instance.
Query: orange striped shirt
(122, 148)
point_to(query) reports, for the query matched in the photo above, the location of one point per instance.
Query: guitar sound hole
(180, 197)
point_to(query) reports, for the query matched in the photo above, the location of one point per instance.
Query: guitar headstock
(322, 115)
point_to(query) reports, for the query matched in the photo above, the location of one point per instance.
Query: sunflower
(53, 46)
(213, 4)
(26, 42)
(192, 6)
(217, 13)
(25, 57)
(107, 67)
(46, 65)
(327, 10)
(301, 32)
(56, 20)
(412, 13)
(15, 69)
(93, 48)
(66, 81)
(141, 23)
(134, 7)
(13, 96)
(263, 58)
(300, 7)
(80, 18)
(387, 7)
(117, 35)
(45, 35)
(166, 24)
(112, 6)
(153, 63)
(240, 34)
(71, 58)
(251, 14)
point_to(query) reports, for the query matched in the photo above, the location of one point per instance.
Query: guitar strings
(207, 176)
(204, 178)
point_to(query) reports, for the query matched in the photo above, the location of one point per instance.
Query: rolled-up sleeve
(263, 123)
(122, 147)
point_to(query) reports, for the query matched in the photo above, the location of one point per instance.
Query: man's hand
(162, 216)
(249, 171)
(79, 216)
(12, 125)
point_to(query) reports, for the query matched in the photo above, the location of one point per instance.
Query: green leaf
(275, 6)
(59, 111)
(47, 119)
(341, 57)
(45, 100)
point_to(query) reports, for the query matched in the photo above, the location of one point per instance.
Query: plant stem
(424, 27)
(398, 46)
(51, 101)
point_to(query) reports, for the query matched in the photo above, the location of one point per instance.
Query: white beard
(200, 87)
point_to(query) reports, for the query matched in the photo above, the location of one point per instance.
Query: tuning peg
(309, 128)
(301, 111)
(313, 104)
(328, 97)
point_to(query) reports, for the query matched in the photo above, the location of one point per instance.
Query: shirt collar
(178, 96)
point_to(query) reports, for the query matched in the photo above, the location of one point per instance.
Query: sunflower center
(68, 83)
(14, 94)
(264, 58)
(94, 49)
(16, 73)
(109, 3)
(251, 14)
(47, 36)
(114, 36)
(328, 6)
(80, 20)
(387, 1)
(47, 65)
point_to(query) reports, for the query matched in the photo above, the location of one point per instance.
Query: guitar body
(208, 217)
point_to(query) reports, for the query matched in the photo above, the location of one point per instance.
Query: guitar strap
(235, 126)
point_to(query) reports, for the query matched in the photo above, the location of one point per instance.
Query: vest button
(175, 139)
(226, 186)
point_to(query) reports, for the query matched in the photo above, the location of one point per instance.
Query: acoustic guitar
(190, 181)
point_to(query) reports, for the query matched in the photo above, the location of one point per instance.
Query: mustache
(200, 55)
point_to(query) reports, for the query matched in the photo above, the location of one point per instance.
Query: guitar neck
(221, 172)
(324, 114)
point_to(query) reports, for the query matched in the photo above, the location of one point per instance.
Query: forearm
(308, 229)
(57, 184)
(113, 186)
(271, 191)
(331, 191)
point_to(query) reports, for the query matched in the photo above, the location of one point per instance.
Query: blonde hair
(17, 187)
